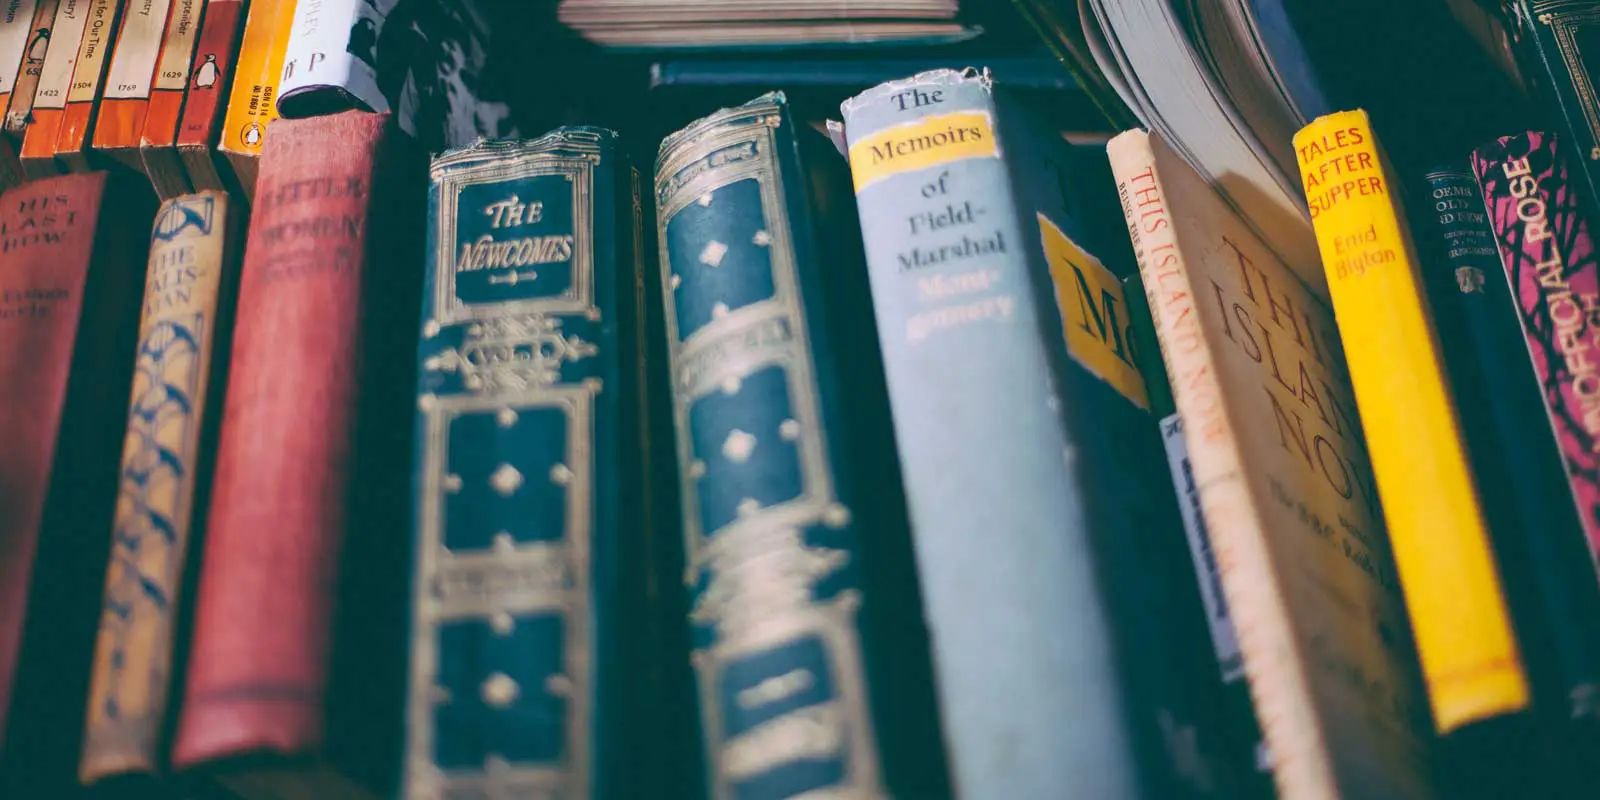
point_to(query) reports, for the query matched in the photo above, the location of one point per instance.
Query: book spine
(15, 18)
(1300, 760)
(949, 270)
(1547, 249)
(1554, 33)
(119, 120)
(72, 260)
(205, 98)
(88, 83)
(18, 104)
(252, 102)
(258, 663)
(43, 124)
(158, 138)
(1518, 450)
(331, 58)
(164, 463)
(1470, 656)
(40, 301)
(520, 462)
(772, 519)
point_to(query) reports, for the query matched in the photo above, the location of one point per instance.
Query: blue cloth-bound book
(528, 651)
(808, 650)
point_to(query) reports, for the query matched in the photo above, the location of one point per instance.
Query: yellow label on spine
(1093, 313)
(928, 142)
(1441, 543)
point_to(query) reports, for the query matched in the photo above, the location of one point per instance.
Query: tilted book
(18, 103)
(1286, 488)
(1546, 244)
(158, 138)
(530, 548)
(1555, 50)
(808, 648)
(205, 101)
(125, 103)
(1453, 588)
(43, 123)
(16, 29)
(88, 82)
(166, 467)
(252, 98)
(72, 258)
(1069, 642)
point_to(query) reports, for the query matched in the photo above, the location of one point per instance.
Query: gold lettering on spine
(155, 504)
(762, 574)
(508, 363)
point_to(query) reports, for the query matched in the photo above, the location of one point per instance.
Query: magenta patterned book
(1546, 246)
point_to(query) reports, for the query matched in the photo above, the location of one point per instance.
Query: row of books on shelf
(934, 456)
(183, 90)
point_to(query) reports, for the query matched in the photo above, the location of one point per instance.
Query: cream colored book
(1286, 488)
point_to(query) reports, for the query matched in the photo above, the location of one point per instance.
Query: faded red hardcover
(259, 657)
(1546, 245)
(71, 269)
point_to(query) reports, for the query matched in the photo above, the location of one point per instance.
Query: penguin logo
(37, 47)
(252, 134)
(205, 75)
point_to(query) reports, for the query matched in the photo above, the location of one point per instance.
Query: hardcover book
(331, 61)
(119, 120)
(1555, 50)
(1539, 534)
(205, 102)
(72, 258)
(808, 649)
(1085, 658)
(43, 123)
(1453, 588)
(158, 138)
(18, 103)
(252, 102)
(164, 482)
(525, 649)
(297, 656)
(1286, 488)
(88, 83)
(1545, 239)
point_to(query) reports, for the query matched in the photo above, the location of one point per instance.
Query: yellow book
(253, 101)
(1441, 542)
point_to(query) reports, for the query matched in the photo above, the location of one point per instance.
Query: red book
(206, 100)
(259, 664)
(71, 270)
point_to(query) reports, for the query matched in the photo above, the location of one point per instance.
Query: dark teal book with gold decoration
(527, 643)
(809, 652)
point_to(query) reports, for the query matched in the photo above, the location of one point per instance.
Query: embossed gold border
(832, 621)
(1564, 25)
(574, 159)
(433, 561)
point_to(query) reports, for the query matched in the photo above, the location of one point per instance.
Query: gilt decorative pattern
(775, 593)
(515, 357)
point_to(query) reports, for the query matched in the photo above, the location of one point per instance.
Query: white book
(331, 60)
(16, 17)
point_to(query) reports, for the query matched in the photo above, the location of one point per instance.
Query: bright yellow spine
(1441, 543)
